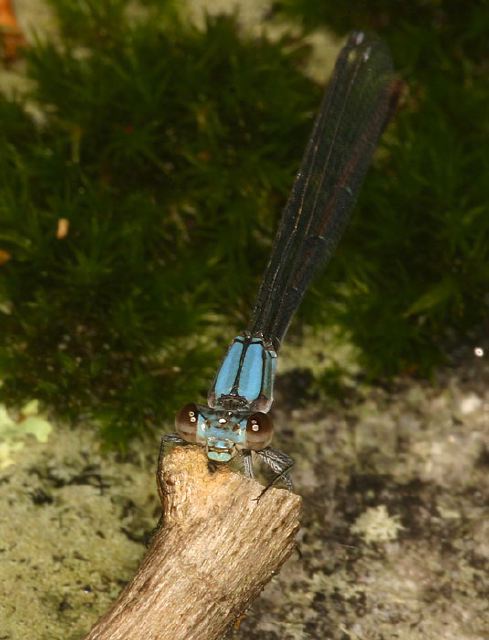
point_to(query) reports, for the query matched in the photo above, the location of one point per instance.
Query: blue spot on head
(225, 455)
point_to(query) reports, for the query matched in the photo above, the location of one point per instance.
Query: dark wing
(357, 105)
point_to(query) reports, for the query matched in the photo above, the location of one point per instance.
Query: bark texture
(216, 548)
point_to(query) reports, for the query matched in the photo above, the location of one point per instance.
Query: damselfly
(357, 105)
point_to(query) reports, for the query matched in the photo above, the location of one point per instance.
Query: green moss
(171, 151)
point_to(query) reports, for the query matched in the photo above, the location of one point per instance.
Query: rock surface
(395, 537)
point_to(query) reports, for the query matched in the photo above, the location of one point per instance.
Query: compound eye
(259, 431)
(186, 422)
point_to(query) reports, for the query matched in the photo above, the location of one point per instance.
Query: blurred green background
(170, 151)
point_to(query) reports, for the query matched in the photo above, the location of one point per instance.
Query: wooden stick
(216, 549)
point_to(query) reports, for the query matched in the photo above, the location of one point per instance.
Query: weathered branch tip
(215, 550)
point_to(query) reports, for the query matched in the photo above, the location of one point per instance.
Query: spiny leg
(279, 462)
(248, 463)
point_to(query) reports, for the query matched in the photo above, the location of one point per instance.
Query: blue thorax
(245, 378)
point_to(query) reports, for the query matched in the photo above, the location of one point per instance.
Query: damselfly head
(223, 432)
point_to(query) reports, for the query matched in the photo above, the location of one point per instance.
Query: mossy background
(171, 149)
